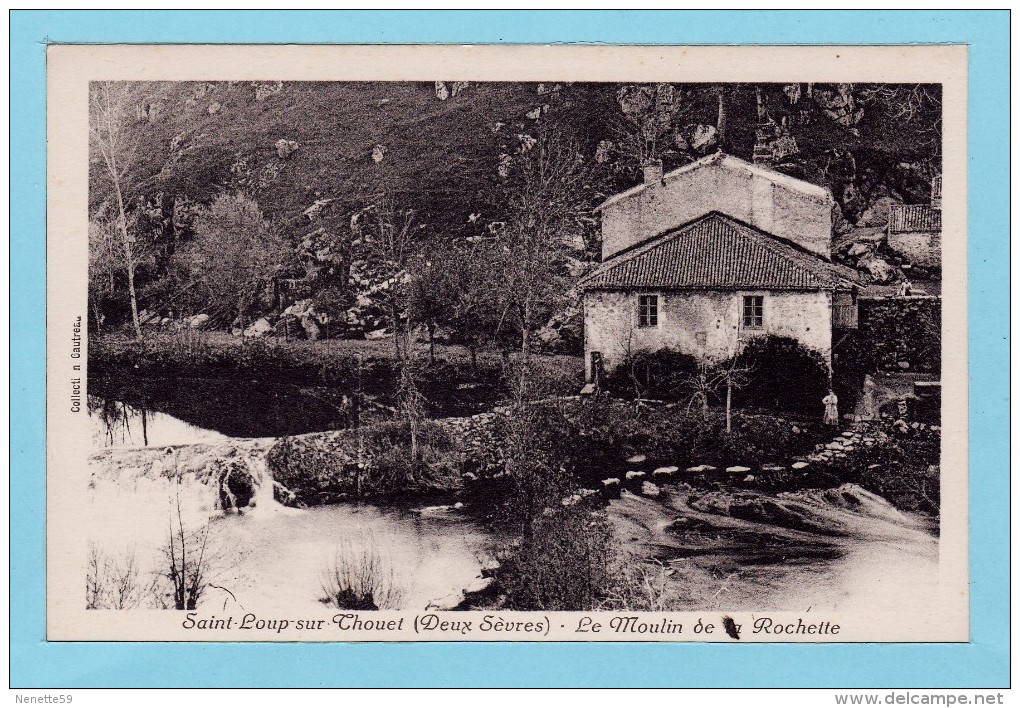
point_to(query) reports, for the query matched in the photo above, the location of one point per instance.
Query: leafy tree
(235, 255)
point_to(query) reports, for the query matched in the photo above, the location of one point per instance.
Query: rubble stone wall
(906, 332)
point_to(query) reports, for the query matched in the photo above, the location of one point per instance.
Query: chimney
(652, 171)
(936, 192)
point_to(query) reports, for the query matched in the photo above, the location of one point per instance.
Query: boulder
(636, 459)
(800, 465)
(258, 328)
(649, 490)
(286, 148)
(311, 328)
(199, 321)
(701, 136)
(480, 589)
(446, 604)
(738, 469)
(859, 249)
(878, 213)
(664, 474)
(878, 268)
(611, 488)
(749, 478)
(701, 468)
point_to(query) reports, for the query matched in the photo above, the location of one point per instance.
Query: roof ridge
(815, 271)
(802, 185)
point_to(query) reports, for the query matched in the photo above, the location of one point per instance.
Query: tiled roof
(717, 252)
(904, 218)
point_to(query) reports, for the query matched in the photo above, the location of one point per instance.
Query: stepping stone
(702, 468)
(665, 473)
(636, 459)
(611, 488)
(800, 465)
(635, 476)
(738, 469)
(772, 468)
(749, 478)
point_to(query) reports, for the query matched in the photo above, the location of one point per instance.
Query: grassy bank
(451, 381)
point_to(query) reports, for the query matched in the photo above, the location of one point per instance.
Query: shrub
(116, 582)
(853, 358)
(663, 374)
(784, 376)
(564, 564)
(373, 461)
(359, 578)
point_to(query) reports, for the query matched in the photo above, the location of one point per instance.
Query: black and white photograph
(366, 351)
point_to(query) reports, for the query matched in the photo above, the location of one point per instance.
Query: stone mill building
(709, 255)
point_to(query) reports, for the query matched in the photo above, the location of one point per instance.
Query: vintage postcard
(507, 343)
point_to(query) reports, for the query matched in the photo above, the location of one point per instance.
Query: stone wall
(906, 332)
(702, 324)
(775, 203)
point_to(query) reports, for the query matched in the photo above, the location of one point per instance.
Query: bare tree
(711, 378)
(389, 232)
(108, 105)
(545, 195)
(115, 583)
(649, 118)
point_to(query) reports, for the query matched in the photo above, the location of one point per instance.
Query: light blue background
(984, 662)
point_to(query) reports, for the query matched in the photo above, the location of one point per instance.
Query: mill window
(648, 310)
(754, 311)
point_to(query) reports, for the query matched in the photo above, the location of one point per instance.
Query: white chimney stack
(652, 171)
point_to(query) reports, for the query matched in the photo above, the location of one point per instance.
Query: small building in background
(915, 230)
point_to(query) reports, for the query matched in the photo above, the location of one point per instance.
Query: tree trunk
(129, 261)
(720, 123)
(729, 398)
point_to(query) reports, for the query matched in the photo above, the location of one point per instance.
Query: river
(721, 547)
